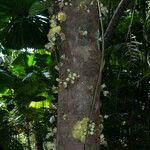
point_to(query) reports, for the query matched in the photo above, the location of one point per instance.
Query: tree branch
(114, 21)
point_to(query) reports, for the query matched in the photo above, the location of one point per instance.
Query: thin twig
(114, 21)
(98, 83)
(131, 21)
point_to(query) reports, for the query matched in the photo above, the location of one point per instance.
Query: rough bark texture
(82, 57)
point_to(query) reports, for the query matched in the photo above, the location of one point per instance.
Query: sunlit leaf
(36, 8)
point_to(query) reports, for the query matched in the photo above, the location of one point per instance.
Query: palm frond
(18, 28)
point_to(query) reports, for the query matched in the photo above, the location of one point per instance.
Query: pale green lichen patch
(84, 4)
(55, 30)
(80, 129)
(61, 16)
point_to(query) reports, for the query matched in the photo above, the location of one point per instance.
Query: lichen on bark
(80, 129)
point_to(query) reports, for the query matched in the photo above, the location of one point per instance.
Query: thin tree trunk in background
(28, 134)
(114, 21)
(82, 57)
(39, 143)
(28, 140)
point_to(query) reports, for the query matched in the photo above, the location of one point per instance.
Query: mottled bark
(82, 57)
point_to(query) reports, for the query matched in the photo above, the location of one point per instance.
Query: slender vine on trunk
(82, 57)
(80, 71)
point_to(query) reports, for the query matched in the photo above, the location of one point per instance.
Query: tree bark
(83, 58)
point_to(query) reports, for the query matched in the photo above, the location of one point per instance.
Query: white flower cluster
(84, 5)
(91, 128)
(123, 142)
(105, 92)
(63, 3)
(83, 33)
(55, 29)
(65, 116)
(103, 141)
(54, 89)
(70, 78)
(101, 127)
(63, 57)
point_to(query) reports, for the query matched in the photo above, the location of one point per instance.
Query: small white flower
(69, 75)
(61, 64)
(72, 82)
(106, 116)
(73, 78)
(52, 119)
(62, 56)
(88, 11)
(74, 74)
(103, 86)
(124, 123)
(56, 67)
(106, 93)
(57, 79)
(64, 116)
(68, 79)
(66, 3)
(65, 84)
(68, 70)
(91, 133)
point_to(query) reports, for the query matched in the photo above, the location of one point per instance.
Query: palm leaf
(18, 28)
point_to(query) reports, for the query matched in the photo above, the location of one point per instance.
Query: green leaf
(43, 104)
(20, 64)
(6, 81)
(31, 60)
(36, 8)
(29, 85)
(18, 29)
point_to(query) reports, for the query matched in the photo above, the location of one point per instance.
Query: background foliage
(28, 94)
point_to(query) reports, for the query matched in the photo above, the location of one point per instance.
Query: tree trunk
(114, 21)
(39, 143)
(81, 57)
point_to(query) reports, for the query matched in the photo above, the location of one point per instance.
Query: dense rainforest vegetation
(51, 52)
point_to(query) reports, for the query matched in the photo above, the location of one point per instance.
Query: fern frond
(133, 53)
